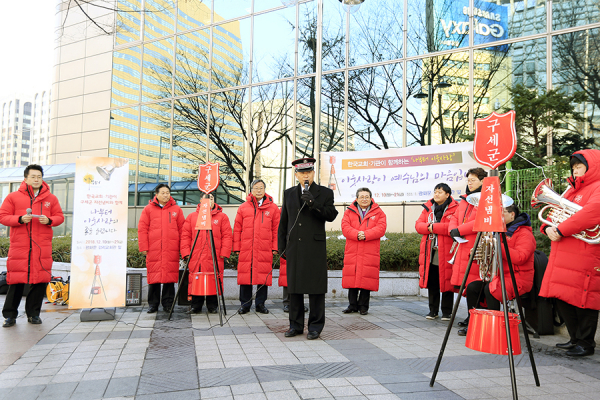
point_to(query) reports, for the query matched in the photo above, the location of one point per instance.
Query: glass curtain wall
(253, 84)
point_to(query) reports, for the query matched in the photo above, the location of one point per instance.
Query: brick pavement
(388, 354)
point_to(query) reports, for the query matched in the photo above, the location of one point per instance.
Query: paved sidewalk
(388, 354)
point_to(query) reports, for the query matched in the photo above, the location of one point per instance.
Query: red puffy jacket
(159, 231)
(255, 237)
(573, 272)
(30, 252)
(201, 260)
(521, 245)
(464, 220)
(282, 281)
(444, 245)
(361, 257)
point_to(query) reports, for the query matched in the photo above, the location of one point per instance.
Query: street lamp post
(429, 95)
(160, 155)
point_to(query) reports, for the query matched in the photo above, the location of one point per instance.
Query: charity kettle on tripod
(95, 289)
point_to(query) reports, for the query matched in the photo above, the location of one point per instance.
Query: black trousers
(286, 297)
(246, 295)
(581, 323)
(198, 302)
(433, 289)
(316, 314)
(154, 295)
(474, 298)
(33, 301)
(359, 302)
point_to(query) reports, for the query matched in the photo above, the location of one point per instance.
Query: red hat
(304, 164)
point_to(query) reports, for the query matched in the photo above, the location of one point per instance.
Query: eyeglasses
(473, 180)
(258, 189)
(364, 198)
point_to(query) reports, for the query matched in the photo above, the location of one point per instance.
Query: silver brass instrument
(560, 209)
(485, 254)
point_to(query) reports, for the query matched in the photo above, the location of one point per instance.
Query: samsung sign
(490, 23)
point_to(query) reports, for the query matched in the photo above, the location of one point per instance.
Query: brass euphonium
(560, 209)
(485, 254)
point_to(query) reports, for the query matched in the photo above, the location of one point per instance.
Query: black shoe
(168, 308)
(243, 310)
(292, 332)
(34, 320)
(446, 317)
(364, 312)
(193, 311)
(286, 308)
(347, 310)
(580, 351)
(312, 335)
(8, 322)
(152, 310)
(462, 332)
(567, 346)
(212, 311)
(464, 323)
(262, 309)
(431, 315)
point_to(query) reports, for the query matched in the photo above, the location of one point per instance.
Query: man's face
(364, 199)
(34, 179)
(304, 176)
(440, 196)
(258, 190)
(163, 195)
(508, 217)
(579, 170)
(473, 182)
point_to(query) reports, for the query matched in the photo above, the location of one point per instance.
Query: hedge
(399, 253)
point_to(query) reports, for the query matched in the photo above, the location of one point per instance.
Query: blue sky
(26, 45)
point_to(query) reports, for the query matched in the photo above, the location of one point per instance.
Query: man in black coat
(301, 241)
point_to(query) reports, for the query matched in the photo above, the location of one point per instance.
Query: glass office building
(254, 84)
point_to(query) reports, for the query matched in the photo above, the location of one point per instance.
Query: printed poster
(99, 247)
(398, 175)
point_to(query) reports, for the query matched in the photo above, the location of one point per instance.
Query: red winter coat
(282, 281)
(255, 237)
(573, 272)
(159, 231)
(201, 260)
(444, 244)
(361, 257)
(464, 220)
(521, 246)
(30, 252)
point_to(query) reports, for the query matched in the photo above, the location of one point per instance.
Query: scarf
(474, 191)
(438, 210)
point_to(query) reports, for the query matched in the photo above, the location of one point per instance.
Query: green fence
(524, 182)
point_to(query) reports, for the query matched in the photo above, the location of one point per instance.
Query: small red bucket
(203, 284)
(487, 332)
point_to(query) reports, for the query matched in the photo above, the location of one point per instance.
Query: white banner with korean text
(397, 175)
(99, 247)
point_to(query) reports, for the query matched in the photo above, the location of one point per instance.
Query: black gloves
(454, 233)
(308, 198)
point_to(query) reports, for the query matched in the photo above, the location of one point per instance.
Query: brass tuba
(485, 254)
(560, 209)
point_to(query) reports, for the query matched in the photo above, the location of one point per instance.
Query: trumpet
(560, 209)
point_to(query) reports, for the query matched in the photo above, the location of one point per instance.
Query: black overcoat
(305, 245)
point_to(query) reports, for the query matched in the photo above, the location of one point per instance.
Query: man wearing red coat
(363, 225)
(159, 231)
(461, 225)
(435, 271)
(521, 245)
(201, 260)
(30, 212)
(255, 239)
(573, 273)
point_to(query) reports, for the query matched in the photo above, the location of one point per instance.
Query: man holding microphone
(30, 212)
(301, 242)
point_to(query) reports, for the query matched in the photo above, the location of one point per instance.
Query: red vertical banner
(490, 216)
(204, 221)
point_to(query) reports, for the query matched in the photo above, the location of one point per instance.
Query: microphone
(28, 211)
(306, 185)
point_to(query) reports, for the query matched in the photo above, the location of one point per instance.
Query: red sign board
(490, 216)
(204, 221)
(495, 139)
(208, 177)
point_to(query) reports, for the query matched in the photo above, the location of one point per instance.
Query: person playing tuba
(573, 273)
